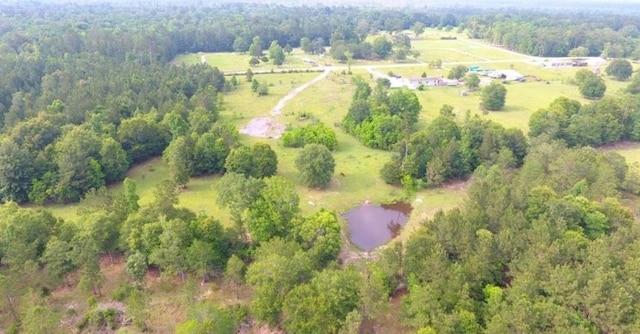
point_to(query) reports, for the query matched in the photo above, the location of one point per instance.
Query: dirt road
(278, 108)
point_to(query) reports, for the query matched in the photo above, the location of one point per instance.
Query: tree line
(559, 34)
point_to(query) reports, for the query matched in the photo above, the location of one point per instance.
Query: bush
(311, 134)
(122, 292)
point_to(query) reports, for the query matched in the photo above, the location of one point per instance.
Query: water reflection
(371, 225)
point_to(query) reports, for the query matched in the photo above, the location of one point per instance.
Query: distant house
(496, 75)
(451, 82)
(397, 82)
(414, 83)
(507, 75)
(579, 62)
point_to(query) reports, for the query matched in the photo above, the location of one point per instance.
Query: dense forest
(543, 242)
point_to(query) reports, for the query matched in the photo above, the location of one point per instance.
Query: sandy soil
(268, 127)
(263, 127)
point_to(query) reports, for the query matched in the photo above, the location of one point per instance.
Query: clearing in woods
(326, 97)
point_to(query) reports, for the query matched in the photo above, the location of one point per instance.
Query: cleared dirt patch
(263, 127)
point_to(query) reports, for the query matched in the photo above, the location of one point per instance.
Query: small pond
(373, 225)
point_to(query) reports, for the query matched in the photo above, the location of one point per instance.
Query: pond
(373, 225)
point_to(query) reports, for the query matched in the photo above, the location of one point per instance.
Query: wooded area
(544, 242)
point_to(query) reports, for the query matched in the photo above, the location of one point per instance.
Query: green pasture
(461, 50)
(356, 179)
(357, 167)
(492, 53)
(241, 105)
(232, 61)
(449, 56)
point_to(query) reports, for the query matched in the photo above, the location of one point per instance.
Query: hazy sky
(610, 5)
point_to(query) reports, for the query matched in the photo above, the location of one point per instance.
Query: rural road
(268, 127)
(278, 108)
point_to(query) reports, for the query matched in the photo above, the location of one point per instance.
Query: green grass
(522, 98)
(449, 56)
(357, 167)
(231, 61)
(241, 105)
(630, 151)
(460, 50)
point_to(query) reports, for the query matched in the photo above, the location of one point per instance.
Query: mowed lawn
(461, 49)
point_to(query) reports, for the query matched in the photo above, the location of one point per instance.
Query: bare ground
(267, 127)
(263, 127)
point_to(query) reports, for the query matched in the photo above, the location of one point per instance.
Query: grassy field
(357, 167)
(232, 62)
(356, 179)
(242, 105)
(522, 98)
(462, 49)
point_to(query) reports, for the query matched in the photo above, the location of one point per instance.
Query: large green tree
(457, 72)
(319, 234)
(113, 160)
(257, 161)
(179, 157)
(143, 137)
(634, 86)
(620, 69)
(322, 305)
(593, 87)
(494, 96)
(276, 54)
(16, 171)
(79, 169)
(255, 49)
(316, 165)
(278, 267)
(317, 133)
(472, 81)
(273, 212)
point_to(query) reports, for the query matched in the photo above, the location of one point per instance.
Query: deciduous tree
(494, 96)
(322, 305)
(620, 69)
(457, 72)
(16, 171)
(316, 165)
(179, 157)
(472, 81)
(272, 213)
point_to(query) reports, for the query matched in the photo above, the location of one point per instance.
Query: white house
(414, 83)
(507, 75)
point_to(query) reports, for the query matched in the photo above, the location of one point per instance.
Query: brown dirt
(263, 127)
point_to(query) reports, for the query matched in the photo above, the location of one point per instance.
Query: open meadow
(356, 177)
